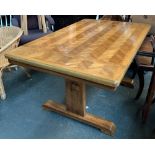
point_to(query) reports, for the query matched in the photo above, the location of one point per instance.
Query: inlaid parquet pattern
(97, 51)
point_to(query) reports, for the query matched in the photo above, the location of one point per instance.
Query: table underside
(75, 105)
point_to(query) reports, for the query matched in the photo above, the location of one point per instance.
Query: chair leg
(149, 98)
(2, 91)
(16, 68)
(134, 67)
(145, 111)
(141, 83)
(27, 73)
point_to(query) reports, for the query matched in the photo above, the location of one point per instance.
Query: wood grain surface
(98, 51)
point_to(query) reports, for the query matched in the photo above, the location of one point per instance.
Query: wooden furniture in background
(41, 23)
(89, 51)
(150, 98)
(113, 17)
(148, 46)
(9, 39)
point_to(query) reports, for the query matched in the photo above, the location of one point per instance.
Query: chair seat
(33, 34)
(146, 46)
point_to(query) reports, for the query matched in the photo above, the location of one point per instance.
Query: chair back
(32, 21)
(5, 20)
(114, 17)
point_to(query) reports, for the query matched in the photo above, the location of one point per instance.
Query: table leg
(75, 97)
(75, 107)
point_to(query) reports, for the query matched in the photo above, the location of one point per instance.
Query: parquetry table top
(98, 51)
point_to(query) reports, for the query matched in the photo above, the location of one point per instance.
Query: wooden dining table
(95, 52)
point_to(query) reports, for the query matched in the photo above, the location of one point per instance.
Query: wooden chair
(9, 39)
(33, 27)
(150, 98)
(147, 46)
